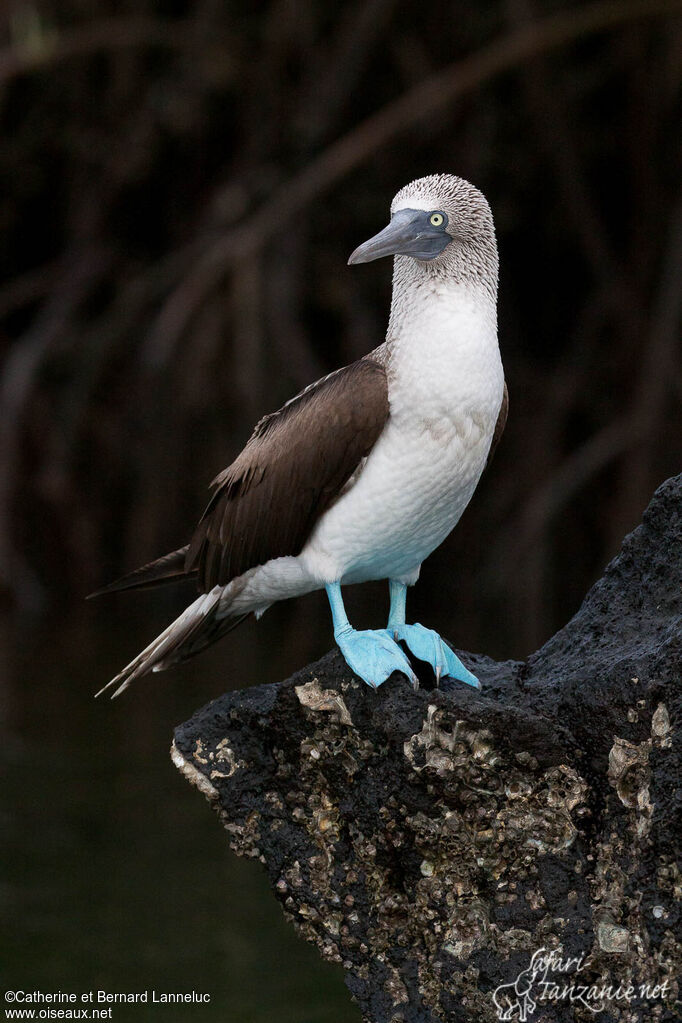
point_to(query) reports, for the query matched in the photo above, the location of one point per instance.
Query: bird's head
(442, 223)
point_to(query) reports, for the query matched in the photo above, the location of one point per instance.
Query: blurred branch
(574, 473)
(656, 380)
(247, 333)
(26, 288)
(58, 46)
(334, 73)
(372, 134)
(660, 354)
(633, 432)
(548, 107)
(183, 172)
(77, 277)
(283, 298)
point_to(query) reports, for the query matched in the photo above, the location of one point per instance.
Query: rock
(464, 855)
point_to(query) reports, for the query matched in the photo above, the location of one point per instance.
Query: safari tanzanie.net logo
(551, 978)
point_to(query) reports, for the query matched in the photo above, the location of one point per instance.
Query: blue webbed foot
(427, 645)
(373, 656)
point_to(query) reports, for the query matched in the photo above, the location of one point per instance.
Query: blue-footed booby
(364, 473)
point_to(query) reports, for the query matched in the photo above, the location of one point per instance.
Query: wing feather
(296, 462)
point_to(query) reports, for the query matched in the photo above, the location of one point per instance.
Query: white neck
(442, 338)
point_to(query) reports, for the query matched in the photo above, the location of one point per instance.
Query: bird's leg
(396, 613)
(424, 643)
(372, 655)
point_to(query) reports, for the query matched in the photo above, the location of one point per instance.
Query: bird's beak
(408, 234)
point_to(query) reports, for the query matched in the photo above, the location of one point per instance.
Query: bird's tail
(197, 627)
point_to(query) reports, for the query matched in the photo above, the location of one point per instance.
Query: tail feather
(167, 569)
(213, 630)
(196, 628)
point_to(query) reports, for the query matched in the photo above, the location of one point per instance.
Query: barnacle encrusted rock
(442, 845)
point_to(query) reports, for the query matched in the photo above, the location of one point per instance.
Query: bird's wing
(499, 425)
(168, 569)
(267, 502)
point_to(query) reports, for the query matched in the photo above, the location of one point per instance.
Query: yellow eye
(436, 219)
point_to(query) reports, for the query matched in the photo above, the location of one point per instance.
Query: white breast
(445, 391)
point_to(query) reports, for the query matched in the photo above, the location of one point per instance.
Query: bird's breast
(445, 389)
(409, 495)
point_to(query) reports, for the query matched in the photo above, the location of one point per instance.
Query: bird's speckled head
(465, 208)
(441, 226)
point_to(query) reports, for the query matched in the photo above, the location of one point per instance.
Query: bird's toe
(374, 656)
(455, 669)
(427, 646)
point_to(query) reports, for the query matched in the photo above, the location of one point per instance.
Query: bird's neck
(442, 338)
(465, 282)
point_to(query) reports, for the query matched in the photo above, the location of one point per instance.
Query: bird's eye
(436, 219)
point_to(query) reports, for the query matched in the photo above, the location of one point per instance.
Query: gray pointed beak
(408, 234)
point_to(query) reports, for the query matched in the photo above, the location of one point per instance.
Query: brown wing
(266, 503)
(500, 424)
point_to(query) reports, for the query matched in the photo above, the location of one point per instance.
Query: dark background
(180, 188)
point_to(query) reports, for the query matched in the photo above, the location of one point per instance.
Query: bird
(364, 473)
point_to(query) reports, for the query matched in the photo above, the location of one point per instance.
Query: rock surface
(434, 842)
